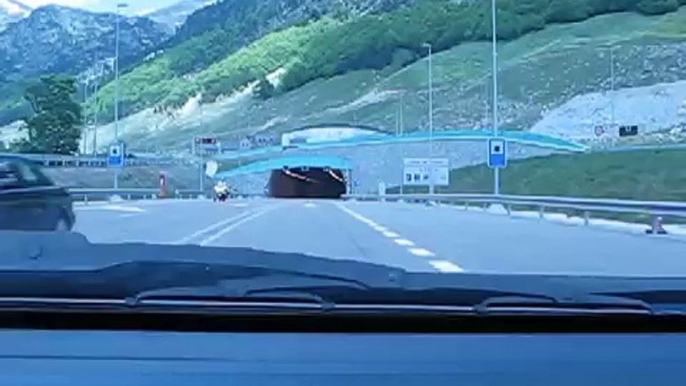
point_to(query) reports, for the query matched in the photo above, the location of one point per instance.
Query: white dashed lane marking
(212, 238)
(390, 234)
(404, 242)
(445, 266)
(440, 265)
(421, 252)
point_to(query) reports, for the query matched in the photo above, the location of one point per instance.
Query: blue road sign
(497, 153)
(116, 155)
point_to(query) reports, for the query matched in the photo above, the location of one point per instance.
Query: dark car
(29, 200)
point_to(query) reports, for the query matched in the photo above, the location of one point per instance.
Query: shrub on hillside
(373, 42)
(657, 7)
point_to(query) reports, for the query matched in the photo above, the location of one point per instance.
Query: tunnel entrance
(307, 182)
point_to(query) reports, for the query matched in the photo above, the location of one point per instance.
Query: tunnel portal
(307, 182)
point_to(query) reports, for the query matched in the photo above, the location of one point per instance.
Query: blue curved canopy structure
(290, 162)
(520, 137)
(336, 126)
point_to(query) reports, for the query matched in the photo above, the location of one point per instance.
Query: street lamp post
(95, 119)
(402, 118)
(84, 131)
(98, 74)
(116, 86)
(612, 87)
(494, 17)
(431, 119)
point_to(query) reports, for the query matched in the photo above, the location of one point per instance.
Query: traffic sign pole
(202, 173)
(497, 159)
(402, 183)
(200, 147)
(116, 159)
(494, 17)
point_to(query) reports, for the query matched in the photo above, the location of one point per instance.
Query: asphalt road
(411, 236)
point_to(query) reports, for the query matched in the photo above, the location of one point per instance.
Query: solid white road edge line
(235, 225)
(212, 227)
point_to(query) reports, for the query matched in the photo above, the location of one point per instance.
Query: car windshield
(508, 137)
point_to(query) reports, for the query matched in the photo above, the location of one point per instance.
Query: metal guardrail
(59, 160)
(88, 194)
(654, 209)
(107, 194)
(189, 193)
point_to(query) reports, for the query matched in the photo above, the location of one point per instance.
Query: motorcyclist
(221, 191)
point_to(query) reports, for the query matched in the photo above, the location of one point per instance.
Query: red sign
(163, 185)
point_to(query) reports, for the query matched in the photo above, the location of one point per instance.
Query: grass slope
(156, 82)
(538, 72)
(651, 175)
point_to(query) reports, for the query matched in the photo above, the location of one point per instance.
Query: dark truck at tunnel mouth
(307, 182)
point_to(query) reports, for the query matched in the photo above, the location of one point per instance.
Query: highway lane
(317, 228)
(410, 236)
(484, 242)
(164, 221)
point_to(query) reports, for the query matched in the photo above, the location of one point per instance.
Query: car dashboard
(44, 357)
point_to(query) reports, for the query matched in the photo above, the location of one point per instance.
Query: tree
(565, 11)
(657, 7)
(55, 126)
(265, 89)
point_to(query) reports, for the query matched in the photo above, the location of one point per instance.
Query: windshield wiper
(289, 292)
(277, 292)
(586, 304)
(276, 289)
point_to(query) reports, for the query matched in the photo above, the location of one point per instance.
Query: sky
(136, 7)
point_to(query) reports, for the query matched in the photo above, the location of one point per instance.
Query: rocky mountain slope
(12, 11)
(56, 39)
(176, 14)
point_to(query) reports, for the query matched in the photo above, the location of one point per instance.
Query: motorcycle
(221, 193)
(222, 196)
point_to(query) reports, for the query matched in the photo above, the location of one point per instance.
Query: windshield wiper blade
(313, 291)
(584, 304)
(279, 289)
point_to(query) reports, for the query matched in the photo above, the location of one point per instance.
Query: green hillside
(156, 82)
(650, 175)
(383, 41)
(538, 72)
(644, 175)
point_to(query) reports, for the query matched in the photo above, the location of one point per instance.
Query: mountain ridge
(176, 14)
(58, 39)
(12, 11)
